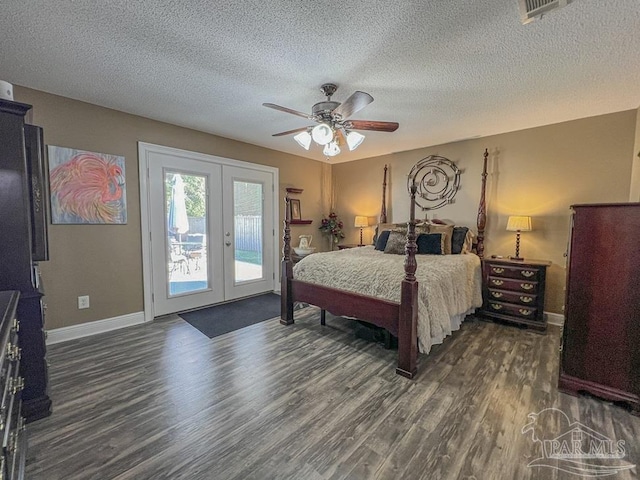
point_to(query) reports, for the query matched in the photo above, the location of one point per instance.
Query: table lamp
(361, 222)
(518, 224)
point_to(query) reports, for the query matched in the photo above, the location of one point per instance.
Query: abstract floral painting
(86, 187)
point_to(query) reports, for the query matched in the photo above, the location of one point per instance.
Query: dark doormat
(225, 318)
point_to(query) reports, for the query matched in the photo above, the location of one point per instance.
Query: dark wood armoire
(601, 338)
(23, 242)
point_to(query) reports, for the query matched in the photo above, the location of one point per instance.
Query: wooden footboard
(377, 311)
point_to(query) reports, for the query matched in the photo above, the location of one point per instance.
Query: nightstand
(295, 258)
(513, 291)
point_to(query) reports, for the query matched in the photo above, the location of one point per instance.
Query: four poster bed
(357, 285)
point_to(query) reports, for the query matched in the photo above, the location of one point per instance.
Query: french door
(211, 229)
(248, 265)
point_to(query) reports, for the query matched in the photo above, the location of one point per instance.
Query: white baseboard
(554, 319)
(64, 334)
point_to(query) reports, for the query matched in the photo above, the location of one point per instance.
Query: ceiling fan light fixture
(331, 149)
(303, 139)
(322, 134)
(333, 126)
(354, 139)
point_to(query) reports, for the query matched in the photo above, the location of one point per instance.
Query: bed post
(408, 318)
(383, 210)
(482, 208)
(286, 299)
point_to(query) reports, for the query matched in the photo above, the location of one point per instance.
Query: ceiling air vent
(532, 9)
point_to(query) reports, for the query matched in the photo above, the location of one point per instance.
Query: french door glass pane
(186, 227)
(248, 227)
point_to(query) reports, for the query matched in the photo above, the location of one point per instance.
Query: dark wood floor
(163, 401)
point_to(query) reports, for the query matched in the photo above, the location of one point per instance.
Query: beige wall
(634, 194)
(538, 172)
(105, 261)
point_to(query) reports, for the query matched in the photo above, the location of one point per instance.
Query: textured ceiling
(445, 70)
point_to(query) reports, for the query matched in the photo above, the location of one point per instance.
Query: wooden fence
(248, 231)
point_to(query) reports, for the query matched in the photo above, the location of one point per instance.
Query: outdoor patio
(191, 275)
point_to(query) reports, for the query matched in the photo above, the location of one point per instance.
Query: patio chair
(178, 259)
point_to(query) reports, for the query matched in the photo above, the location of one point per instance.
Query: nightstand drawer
(521, 273)
(519, 298)
(512, 310)
(513, 285)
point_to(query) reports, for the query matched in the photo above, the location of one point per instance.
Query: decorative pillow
(458, 238)
(399, 227)
(395, 243)
(447, 232)
(469, 238)
(430, 243)
(422, 228)
(381, 241)
(381, 227)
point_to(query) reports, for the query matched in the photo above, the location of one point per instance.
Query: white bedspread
(449, 286)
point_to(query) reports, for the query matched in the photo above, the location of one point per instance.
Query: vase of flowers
(332, 226)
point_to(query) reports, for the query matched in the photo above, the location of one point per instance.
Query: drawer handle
(496, 307)
(526, 286)
(497, 294)
(16, 386)
(11, 448)
(497, 270)
(527, 273)
(526, 299)
(497, 282)
(14, 353)
(524, 311)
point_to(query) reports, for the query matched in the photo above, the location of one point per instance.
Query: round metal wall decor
(437, 180)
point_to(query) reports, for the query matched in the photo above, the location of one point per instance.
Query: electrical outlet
(83, 301)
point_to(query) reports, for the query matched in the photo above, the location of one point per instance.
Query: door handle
(227, 234)
(227, 243)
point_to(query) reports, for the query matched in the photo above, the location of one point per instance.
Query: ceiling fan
(334, 128)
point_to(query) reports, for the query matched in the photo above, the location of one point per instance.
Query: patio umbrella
(178, 219)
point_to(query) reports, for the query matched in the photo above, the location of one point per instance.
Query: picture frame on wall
(87, 188)
(295, 213)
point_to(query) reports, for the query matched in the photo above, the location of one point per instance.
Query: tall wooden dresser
(601, 338)
(23, 242)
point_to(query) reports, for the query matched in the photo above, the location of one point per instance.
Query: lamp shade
(322, 134)
(519, 224)
(354, 139)
(361, 221)
(331, 149)
(303, 139)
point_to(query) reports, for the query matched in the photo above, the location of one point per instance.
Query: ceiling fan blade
(341, 137)
(356, 102)
(289, 132)
(372, 125)
(287, 110)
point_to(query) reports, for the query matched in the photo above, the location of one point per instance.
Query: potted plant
(332, 226)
